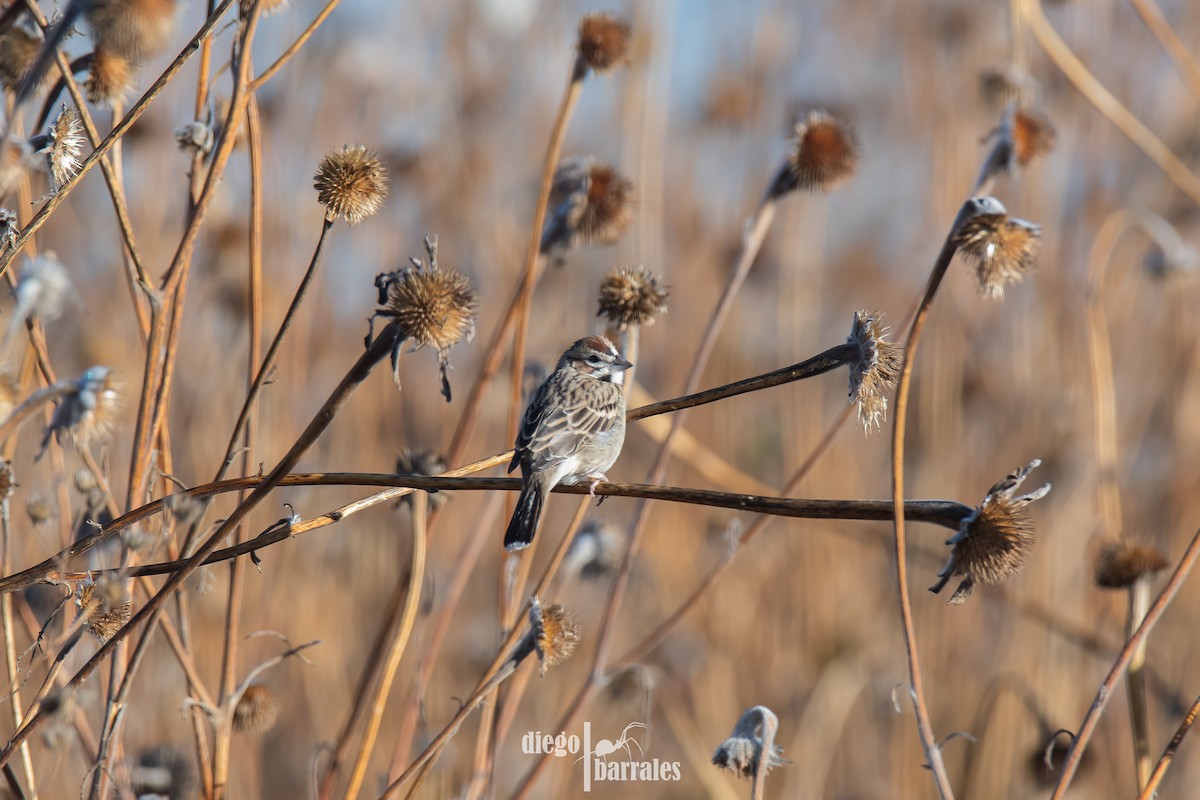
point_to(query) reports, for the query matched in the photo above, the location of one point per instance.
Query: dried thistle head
(874, 374)
(164, 771)
(19, 48)
(110, 77)
(133, 28)
(596, 551)
(88, 411)
(745, 751)
(41, 289)
(824, 155)
(995, 540)
(556, 633)
(352, 183)
(1001, 248)
(257, 710)
(63, 143)
(603, 43)
(1033, 135)
(1121, 564)
(425, 463)
(590, 203)
(106, 605)
(632, 296)
(433, 306)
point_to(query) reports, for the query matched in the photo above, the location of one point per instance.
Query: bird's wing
(554, 431)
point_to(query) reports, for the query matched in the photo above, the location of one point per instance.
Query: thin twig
(1160, 769)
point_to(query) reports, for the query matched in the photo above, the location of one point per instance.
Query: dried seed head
(197, 137)
(88, 412)
(1001, 84)
(85, 481)
(257, 710)
(41, 290)
(556, 634)
(272, 7)
(432, 306)
(10, 392)
(106, 605)
(8, 222)
(351, 183)
(1032, 135)
(874, 375)
(133, 28)
(1123, 563)
(110, 77)
(7, 480)
(38, 509)
(590, 203)
(164, 772)
(425, 463)
(19, 48)
(185, 509)
(632, 296)
(743, 752)
(596, 551)
(995, 540)
(1001, 248)
(824, 155)
(603, 42)
(63, 146)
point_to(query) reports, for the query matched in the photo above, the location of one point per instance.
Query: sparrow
(572, 430)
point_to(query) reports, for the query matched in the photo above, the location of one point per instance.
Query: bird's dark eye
(594, 361)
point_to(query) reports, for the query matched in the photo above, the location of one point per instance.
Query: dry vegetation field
(778, 181)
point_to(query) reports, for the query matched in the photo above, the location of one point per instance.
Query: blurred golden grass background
(458, 99)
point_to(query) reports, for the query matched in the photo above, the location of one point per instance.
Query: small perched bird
(572, 430)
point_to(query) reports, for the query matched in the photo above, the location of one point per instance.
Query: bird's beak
(620, 365)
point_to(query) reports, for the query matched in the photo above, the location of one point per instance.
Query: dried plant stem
(1135, 682)
(1160, 769)
(933, 753)
(396, 649)
(1176, 49)
(381, 348)
(1092, 717)
(1106, 104)
(114, 135)
(294, 47)
(15, 703)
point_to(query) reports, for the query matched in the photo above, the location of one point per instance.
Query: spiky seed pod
(1001, 248)
(351, 183)
(824, 154)
(993, 542)
(7, 480)
(88, 412)
(257, 710)
(134, 29)
(556, 634)
(874, 374)
(1123, 563)
(603, 42)
(590, 203)
(425, 463)
(106, 606)
(632, 296)
(165, 772)
(8, 222)
(19, 48)
(110, 77)
(1033, 135)
(64, 145)
(433, 306)
(596, 551)
(743, 752)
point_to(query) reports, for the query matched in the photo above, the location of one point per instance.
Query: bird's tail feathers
(524, 522)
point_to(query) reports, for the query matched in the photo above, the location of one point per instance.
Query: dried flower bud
(1123, 563)
(596, 551)
(1001, 248)
(257, 710)
(432, 306)
(41, 290)
(19, 48)
(133, 28)
(589, 203)
(553, 634)
(351, 183)
(1033, 135)
(85, 481)
(106, 605)
(185, 509)
(88, 412)
(164, 772)
(632, 296)
(603, 42)
(62, 145)
(994, 541)
(39, 509)
(425, 463)
(110, 77)
(874, 374)
(197, 137)
(751, 746)
(824, 155)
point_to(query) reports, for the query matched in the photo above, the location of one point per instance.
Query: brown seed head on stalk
(555, 631)
(106, 605)
(1123, 563)
(603, 42)
(257, 710)
(824, 155)
(110, 77)
(993, 542)
(1002, 249)
(19, 48)
(743, 752)
(433, 306)
(351, 183)
(632, 296)
(1033, 135)
(590, 203)
(61, 145)
(133, 28)
(424, 463)
(874, 375)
